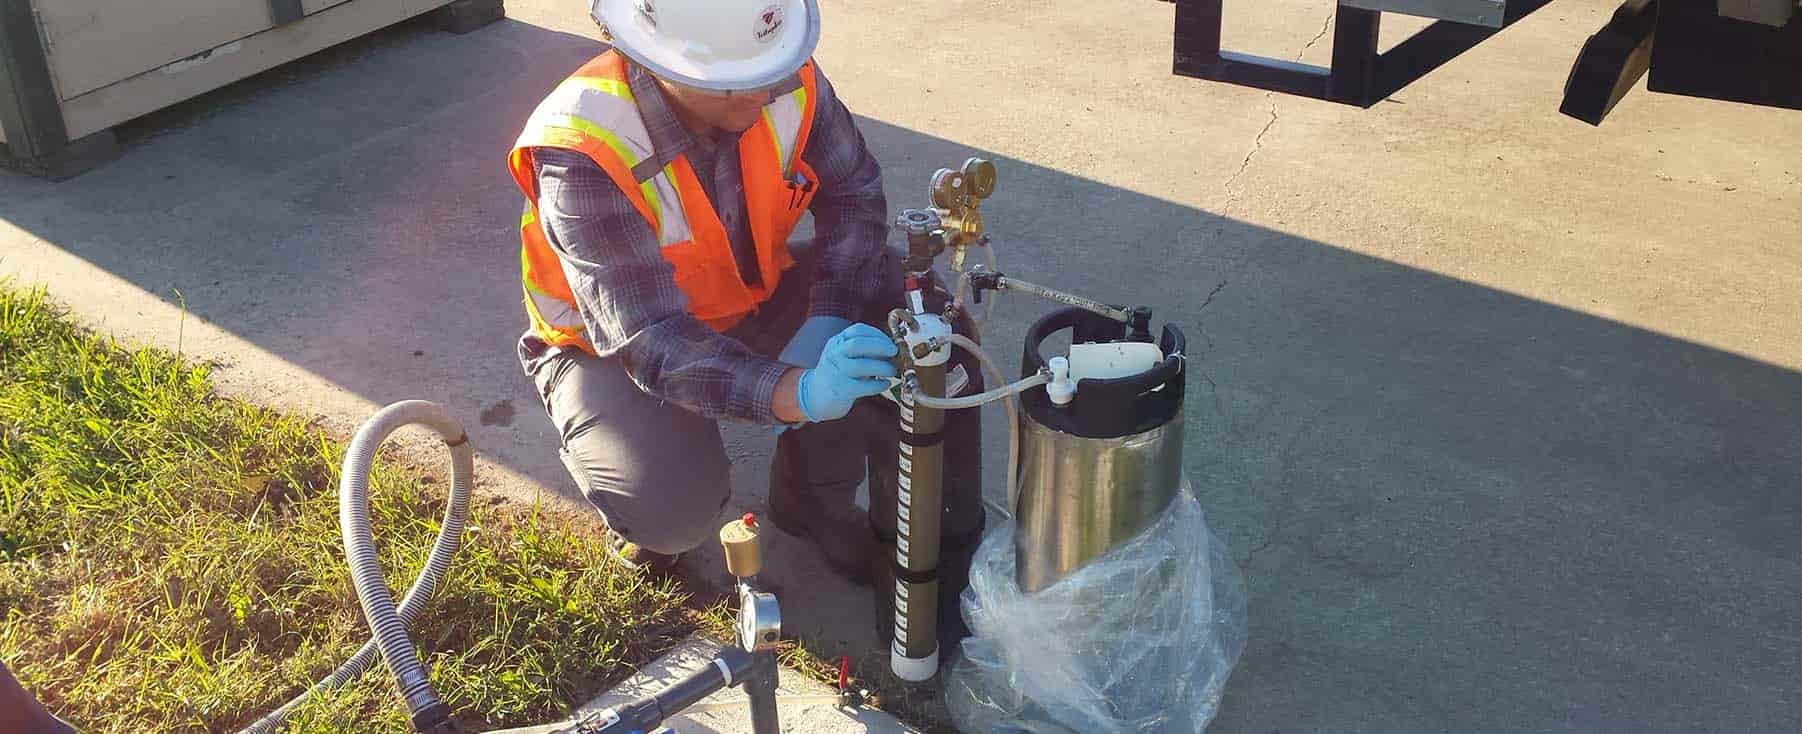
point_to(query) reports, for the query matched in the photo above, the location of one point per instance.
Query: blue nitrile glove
(804, 347)
(855, 363)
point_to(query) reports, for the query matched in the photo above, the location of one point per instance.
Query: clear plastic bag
(1141, 640)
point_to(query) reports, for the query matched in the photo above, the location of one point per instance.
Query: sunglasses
(765, 92)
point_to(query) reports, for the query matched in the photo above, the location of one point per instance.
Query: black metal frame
(1358, 76)
(1686, 48)
(1611, 62)
(1698, 53)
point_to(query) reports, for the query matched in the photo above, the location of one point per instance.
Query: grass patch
(170, 559)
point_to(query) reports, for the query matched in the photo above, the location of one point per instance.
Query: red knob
(750, 519)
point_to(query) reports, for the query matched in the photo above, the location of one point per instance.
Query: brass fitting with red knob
(742, 541)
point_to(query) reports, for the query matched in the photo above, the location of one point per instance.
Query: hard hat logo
(648, 12)
(768, 22)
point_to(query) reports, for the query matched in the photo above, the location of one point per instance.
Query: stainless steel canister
(1081, 497)
(1095, 472)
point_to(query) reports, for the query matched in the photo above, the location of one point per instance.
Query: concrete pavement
(1498, 410)
(803, 705)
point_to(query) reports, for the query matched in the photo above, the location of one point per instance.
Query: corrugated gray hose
(428, 712)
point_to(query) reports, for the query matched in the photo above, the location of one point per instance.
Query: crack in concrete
(1200, 328)
(1324, 25)
(1210, 299)
(1257, 143)
(1287, 502)
(1269, 540)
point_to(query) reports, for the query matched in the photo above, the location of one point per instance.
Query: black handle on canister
(1105, 408)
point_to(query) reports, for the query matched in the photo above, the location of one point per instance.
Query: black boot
(813, 494)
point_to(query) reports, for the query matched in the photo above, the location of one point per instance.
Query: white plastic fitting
(1062, 389)
(931, 326)
(913, 670)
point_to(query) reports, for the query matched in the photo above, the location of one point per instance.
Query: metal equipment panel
(148, 92)
(94, 43)
(314, 6)
(1475, 12)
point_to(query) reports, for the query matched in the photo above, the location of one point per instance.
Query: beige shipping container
(70, 70)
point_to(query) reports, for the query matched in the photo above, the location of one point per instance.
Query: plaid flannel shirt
(625, 290)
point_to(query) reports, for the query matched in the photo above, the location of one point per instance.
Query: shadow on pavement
(1457, 509)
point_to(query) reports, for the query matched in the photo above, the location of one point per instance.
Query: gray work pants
(657, 472)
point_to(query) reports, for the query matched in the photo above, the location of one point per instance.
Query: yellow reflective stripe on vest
(619, 148)
(783, 117)
(597, 132)
(672, 226)
(614, 87)
(556, 312)
(596, 107)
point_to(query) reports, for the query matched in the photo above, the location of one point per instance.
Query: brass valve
(957, 199)
(743, 545)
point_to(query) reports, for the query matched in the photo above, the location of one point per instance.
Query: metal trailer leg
(1611, 62)
(1350, 79)
(1354, 73)
(1358, 75)
(1198, 54)
(1197, 39)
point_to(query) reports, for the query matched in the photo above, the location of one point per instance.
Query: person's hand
(855, 363)
(804, 347)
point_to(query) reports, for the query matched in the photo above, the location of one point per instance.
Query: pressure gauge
(759, 620)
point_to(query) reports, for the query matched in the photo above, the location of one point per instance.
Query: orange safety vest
(594, 113)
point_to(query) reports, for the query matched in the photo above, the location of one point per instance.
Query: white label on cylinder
(1113, 360)
(956, 380)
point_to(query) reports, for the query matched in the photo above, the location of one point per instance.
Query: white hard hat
(714, 44)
